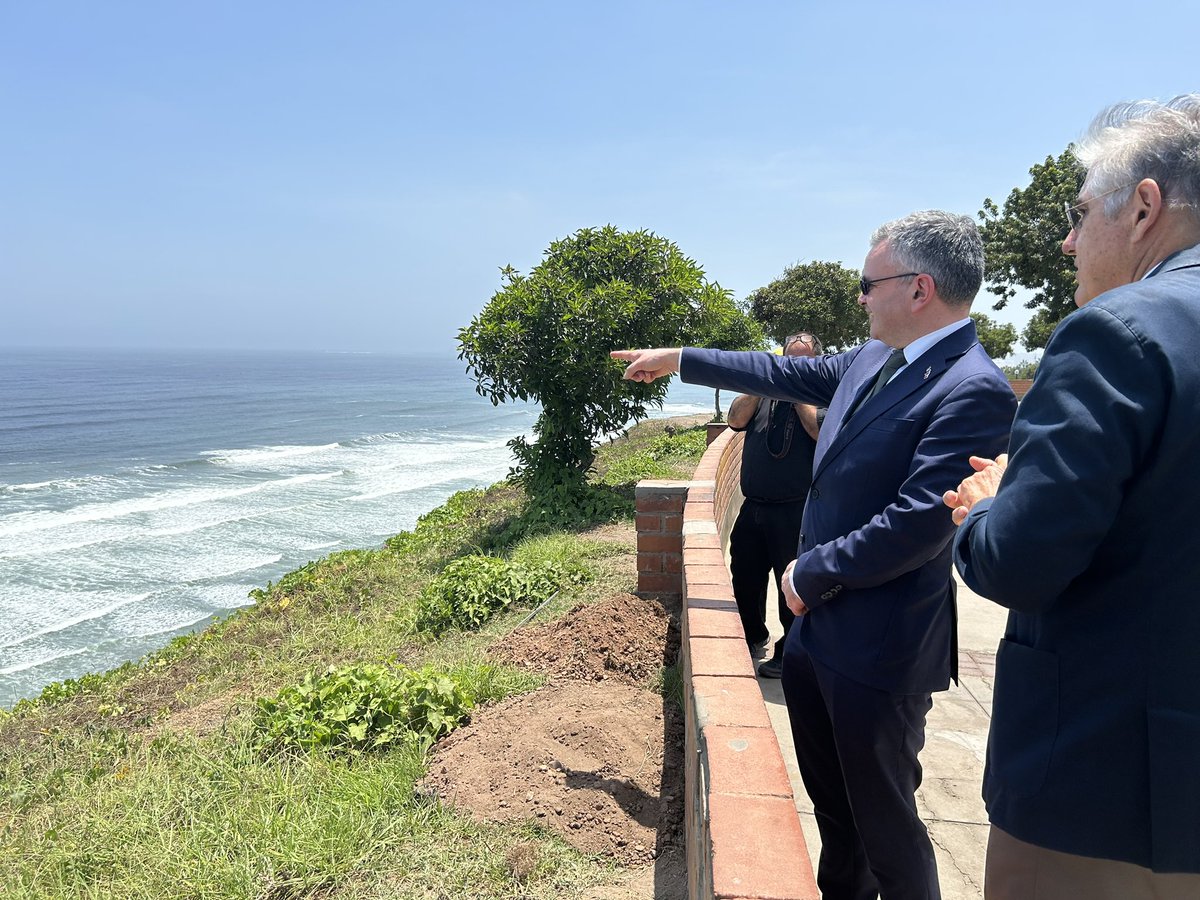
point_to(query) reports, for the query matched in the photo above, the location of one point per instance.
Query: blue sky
(352, 176)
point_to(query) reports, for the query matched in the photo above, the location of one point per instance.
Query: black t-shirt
(777, 456)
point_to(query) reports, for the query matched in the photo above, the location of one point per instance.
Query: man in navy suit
(1091, 539)
(872, 581)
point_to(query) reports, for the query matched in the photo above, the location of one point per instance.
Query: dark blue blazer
(874, 557)
(1093, 542)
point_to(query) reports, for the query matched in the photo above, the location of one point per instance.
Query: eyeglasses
(1076, 212)
(865, 284)
(803, 337)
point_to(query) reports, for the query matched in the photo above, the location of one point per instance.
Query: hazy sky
(352, 176)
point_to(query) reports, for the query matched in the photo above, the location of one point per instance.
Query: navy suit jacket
(873, 562)
(1093, 542)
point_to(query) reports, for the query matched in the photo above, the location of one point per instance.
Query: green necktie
(894, 362)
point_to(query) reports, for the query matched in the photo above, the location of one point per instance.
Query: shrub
(359, 708)
(473, 519)
(472, 589)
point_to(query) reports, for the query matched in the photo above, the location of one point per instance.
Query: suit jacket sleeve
(973, 418)
(1091, 415)
(793, 378)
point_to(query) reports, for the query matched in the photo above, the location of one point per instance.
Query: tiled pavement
(955, 738)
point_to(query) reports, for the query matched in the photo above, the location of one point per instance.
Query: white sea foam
(24, 523)
(41, 661)
(87, 616)
(236, 566)
(259, 456)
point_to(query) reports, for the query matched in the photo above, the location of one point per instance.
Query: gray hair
(943, 245)
(1145, 139)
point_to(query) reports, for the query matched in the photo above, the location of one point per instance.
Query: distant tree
(545, 336)
(1026, 369)
(1023, 245)
(997, 338)
(819, 297)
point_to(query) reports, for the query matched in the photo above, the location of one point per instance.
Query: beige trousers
(1016, 870)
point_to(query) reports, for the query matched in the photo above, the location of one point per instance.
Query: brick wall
(659, 507)
(743, 834)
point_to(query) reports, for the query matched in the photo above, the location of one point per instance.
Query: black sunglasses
(865, 284)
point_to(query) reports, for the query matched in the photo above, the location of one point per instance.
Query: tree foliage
(997, 338)
(818, 297)
(1023, 245)
(546, 336)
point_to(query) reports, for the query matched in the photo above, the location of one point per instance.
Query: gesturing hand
(648, 365)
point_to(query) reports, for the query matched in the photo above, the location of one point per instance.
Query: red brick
(703, 575)
(721, 656)
(649, 562)
(672, 524)
(660, 503)
(751, 868)
(713, 557)
(702, 541)
(728, 700)
(660, 543)
(650, 583)
(720, 622)
(745, 761)
(672, 562)
(701, 511)
(650, 522)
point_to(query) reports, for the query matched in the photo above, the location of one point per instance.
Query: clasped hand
(984, 483)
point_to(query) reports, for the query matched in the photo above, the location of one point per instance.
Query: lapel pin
(928, 372)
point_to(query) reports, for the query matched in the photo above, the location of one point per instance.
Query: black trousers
(764, 539)
(857, 751)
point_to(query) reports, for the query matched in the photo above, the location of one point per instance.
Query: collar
(914, 350)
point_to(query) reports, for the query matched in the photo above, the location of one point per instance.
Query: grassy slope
(146, 782)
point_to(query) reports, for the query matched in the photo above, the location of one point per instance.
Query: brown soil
(596, 755)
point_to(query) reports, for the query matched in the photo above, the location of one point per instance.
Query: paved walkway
(955, 739)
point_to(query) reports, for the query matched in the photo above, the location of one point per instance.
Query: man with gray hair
(872, 584)
(1088, 533)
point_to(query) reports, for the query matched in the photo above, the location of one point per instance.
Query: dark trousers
(857, 751)
(764, 540)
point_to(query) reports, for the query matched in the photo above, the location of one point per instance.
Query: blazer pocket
(1024, 718)
(891, 426)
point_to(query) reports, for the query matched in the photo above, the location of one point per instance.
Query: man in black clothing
(777, 462)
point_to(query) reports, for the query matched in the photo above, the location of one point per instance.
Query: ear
(923, 290)
(1145, 207)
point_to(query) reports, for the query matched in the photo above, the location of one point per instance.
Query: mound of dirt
(584, 755)
(624, 635)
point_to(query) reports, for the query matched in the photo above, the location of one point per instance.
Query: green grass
(104, 794)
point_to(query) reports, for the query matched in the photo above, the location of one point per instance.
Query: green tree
(546, 336)
(1023, 245)
(997, 338)
(819, 297)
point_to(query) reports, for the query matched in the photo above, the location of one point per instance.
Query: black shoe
(758, 649)
(772, 668)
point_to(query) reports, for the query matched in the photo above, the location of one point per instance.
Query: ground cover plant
(281, 752)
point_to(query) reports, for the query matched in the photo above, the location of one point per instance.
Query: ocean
(143, 493)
